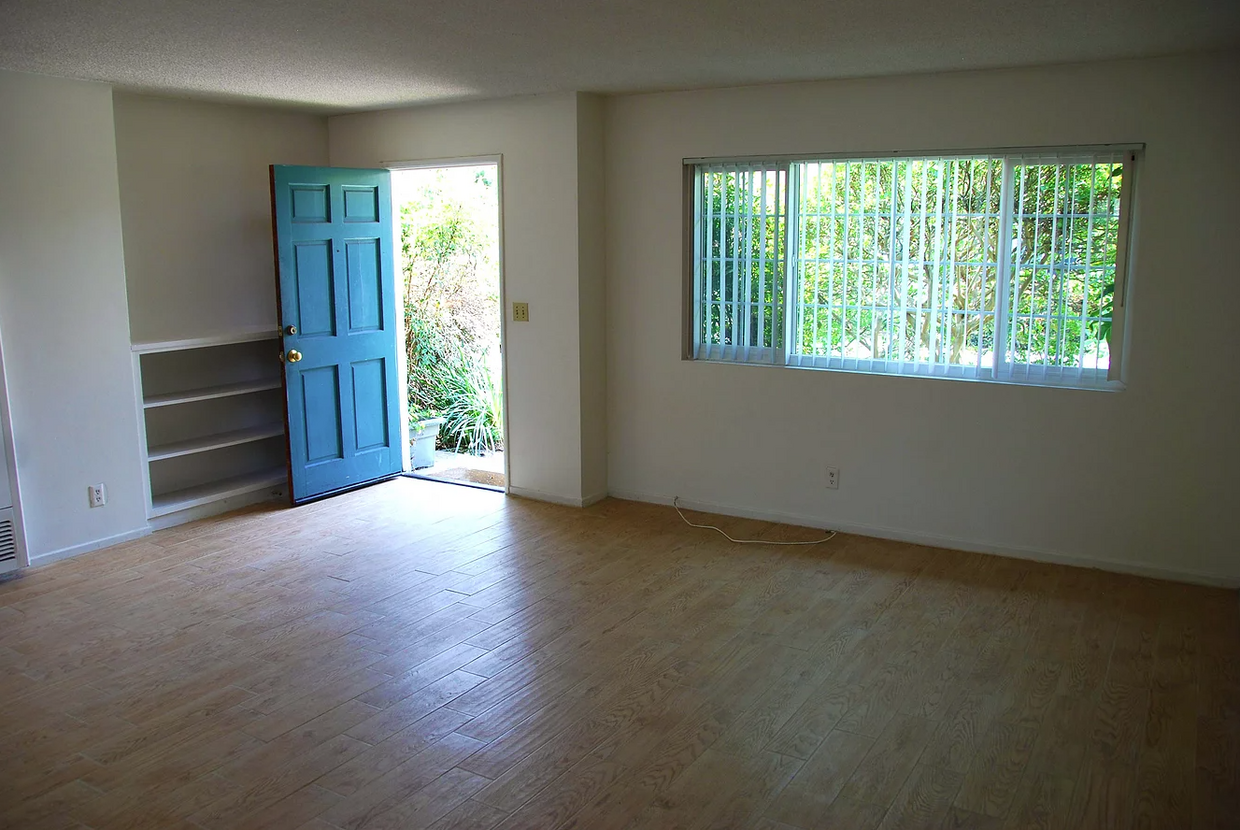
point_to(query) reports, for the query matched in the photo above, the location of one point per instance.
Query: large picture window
(993, 266)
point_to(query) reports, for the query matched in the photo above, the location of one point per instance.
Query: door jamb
(458, 161)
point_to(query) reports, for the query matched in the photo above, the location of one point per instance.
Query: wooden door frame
(431, 164)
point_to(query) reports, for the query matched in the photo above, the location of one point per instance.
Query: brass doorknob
(293, 355)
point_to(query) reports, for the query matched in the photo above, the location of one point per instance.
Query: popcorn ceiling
(334, 56)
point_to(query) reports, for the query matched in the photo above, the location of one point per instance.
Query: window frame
(785, 353)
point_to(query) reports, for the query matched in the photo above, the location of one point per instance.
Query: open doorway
(449, 262)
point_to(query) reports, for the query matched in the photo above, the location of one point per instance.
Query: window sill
(1092, 386)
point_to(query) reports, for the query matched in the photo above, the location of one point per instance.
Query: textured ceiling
(337, 55)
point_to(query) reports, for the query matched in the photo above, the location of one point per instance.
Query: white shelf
(210, 393)
(164, 503)
(223, 339)
(214, 442)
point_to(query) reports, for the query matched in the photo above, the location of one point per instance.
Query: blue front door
(335, 275)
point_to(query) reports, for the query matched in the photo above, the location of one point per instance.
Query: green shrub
(452, 313)
(473, 406)
(451, 382)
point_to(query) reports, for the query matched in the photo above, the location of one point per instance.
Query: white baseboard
(567, 501)
(87, 547)
(933, 540)
(594, 499)
(158, 523)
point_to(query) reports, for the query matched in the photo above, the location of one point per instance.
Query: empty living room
(598, 416)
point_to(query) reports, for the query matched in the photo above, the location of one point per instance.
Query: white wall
(63, 314)
(592, 274)
(1141, 479)
(537, 138)
(196, 209)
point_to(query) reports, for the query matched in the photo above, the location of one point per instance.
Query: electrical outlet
(520, 312)
(98, 496)
(833, 478)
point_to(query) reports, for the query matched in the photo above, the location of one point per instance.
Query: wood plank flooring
(417, 655)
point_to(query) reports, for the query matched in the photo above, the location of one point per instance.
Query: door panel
(315, 307)
(310, 203)
(335, 268)
(370, 398)
(361, 204)
(365, 284)
(320, 400)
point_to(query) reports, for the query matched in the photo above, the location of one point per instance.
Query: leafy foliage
(451, 309)
(745, 230)
(475, 407)
(1066, 240)
(898, 259)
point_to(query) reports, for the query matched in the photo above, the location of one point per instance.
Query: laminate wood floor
(420, 655)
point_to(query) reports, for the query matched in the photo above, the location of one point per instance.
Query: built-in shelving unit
(213, 422)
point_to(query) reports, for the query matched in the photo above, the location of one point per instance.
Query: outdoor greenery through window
(1004, 267)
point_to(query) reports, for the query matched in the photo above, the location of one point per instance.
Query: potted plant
(423, 430)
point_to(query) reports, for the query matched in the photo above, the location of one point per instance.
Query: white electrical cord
(675, 503)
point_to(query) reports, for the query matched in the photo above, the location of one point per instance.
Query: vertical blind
(740, 283)
(987, 266)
